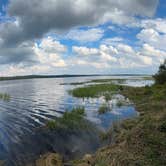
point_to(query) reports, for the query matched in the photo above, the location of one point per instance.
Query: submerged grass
(4, 97)
(141, 141)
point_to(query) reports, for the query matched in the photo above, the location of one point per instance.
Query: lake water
(34, 102)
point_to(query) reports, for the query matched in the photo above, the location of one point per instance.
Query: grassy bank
(141, 141)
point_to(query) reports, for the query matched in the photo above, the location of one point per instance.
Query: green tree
(160, 77)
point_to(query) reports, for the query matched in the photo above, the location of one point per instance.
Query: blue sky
(82, 36)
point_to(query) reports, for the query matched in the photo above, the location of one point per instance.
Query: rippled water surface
(34, 102)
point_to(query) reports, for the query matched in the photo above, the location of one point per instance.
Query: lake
(35, 101)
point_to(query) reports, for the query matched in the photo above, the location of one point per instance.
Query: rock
(50, 159)
(88, 159)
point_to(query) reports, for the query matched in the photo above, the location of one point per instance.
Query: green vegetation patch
(70, 120)
(94, 90)
(104, 108)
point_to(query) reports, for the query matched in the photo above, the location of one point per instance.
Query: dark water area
(36, 101)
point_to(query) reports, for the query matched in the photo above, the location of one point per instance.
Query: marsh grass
(107, 96)
(120, 103)
(104, 108)
(93, 90)
(109, 80)
(73, 119)
(106, 135)
(4, 97)
(74, 83)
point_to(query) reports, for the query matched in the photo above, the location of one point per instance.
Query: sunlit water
(34, 102)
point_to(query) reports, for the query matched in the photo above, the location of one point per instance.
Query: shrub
(160, 77)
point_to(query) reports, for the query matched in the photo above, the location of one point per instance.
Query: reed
(4, 97)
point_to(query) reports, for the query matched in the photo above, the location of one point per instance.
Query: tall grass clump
(73, 119)
(120, 103)
(104, 108)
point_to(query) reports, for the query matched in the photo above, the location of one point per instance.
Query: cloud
(152, 37)
(109, 49)
(90, 35)
(45, 57)
(119, 56)
(124, 48)
(156, 55)
(24, 46)
(84, 51)
(158, 24)
(50, 52)
(22, 53)
(21, 69)
(49, 44)
(112, 41)
(35, 18)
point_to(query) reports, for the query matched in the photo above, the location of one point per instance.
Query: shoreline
(66, 76)
(135, 143)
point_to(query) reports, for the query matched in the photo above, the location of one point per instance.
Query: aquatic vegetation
(120, 80)
(94, 90)
(107, 96)
(73, 119)
(111, 80)
(120, 103)
(74, 83)
(4, 96)
(104, 108)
